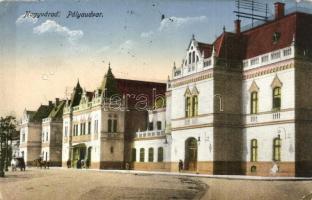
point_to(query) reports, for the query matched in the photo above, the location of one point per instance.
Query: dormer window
(276, 37)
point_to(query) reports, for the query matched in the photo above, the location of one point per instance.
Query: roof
(229, 45)
(136, 88)
(90, 95)
(205, 48)
(42, 112)
(57, 111)
(259, 40)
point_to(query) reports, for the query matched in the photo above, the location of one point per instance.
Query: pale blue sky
(41, 58)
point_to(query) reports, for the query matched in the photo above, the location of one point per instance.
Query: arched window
(160, 157)
(142, 154)
(194, 106)
(188, 106)
(254, 103)
(190, 58)
(254, 150)
(277, 149)
(277, 98)
(133, 155)
(150, 154)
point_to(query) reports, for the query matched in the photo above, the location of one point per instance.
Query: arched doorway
(190, 161)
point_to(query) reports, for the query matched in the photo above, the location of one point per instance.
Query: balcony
(149, 134)
(81, 138)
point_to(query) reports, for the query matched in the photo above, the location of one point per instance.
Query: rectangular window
(150, 155)
(277, 149)
(158, 125)
(115, 126)
(47, 136)
(89, 127)
(109, 125)
(142, 154)
(160, 154)
(254, 103)
(150, 126)
(187, 107)
(254, 153)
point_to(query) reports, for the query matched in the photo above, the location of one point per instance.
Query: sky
(42, 58)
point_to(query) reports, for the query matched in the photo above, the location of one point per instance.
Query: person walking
(180, 165)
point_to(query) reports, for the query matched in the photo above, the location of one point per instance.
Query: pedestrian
(68, 163)
(180, 165)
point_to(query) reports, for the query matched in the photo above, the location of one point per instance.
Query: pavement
(233, 177)
(72, 184)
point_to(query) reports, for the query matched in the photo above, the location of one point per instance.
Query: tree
(7, 129)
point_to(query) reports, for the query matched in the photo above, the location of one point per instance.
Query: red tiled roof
(259, 40)
(134, 88)
(205, 48)
(229, 45)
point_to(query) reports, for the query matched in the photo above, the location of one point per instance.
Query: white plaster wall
(24, 130)
(205, 146)
(205, 98)
(265, 136)
(45, 150)
(146, 144)
(287, 77)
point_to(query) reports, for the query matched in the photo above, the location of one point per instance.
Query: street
(86, 184)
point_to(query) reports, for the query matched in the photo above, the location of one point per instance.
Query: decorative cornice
(266, 70)
(207, 74)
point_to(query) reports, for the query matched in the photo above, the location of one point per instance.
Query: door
(191, 154)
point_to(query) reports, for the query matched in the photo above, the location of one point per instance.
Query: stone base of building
(202, 167)
(266, 169)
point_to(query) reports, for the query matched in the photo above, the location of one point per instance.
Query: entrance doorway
(190, 161)
(79, 154)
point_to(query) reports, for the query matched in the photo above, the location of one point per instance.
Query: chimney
(237, 26)
(57, 101)
(279, 10)
(50, 103)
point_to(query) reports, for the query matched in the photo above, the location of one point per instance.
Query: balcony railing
(153, 133)
(269, 58)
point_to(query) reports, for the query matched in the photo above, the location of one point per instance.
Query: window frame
(254, 150)
(254, 102)
(276, 97)
(277, 147)
(151, 154)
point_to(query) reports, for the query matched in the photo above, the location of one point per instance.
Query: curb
(228, 177)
